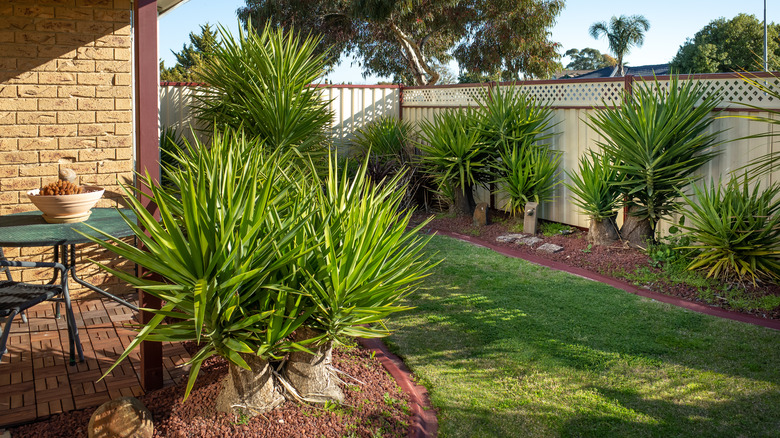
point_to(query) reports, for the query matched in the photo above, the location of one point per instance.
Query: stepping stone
(509, 238)
(550, 248)
(530, 241)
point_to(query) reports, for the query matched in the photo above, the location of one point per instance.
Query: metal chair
(16, 297)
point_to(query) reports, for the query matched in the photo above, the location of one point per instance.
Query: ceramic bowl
(59, 209)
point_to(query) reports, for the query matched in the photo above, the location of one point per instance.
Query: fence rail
(572, 101)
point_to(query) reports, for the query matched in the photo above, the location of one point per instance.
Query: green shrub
(455, 156)
(656, 138)
(515, 126)
(550, 229)
(736, 230)
(594, 186)
(384, 139)
(383, 145)
(228, 247)
(261, 83)
(363, 259)
(509, 119)
(528, 174)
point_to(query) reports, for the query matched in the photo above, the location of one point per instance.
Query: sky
(671, 22)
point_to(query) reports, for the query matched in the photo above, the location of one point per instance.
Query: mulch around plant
(374, 406)
(614, 261)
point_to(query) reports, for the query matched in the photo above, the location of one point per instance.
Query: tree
(190, 60)
(406, 39)
(622, 34)
(588, 59)
(728, 45)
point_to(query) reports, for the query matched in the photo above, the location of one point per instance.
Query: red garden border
(424, 422)
(620, 284)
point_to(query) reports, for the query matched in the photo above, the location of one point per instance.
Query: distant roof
(567, 74)
(640, 70)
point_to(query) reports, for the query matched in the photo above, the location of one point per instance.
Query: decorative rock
(68, 175)
(5, 433)
(509, 238)
(481, 214)
(550, 248)
(530, 241)
(124, 417)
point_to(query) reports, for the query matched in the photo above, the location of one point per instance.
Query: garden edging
(424, 421)
(620, 284)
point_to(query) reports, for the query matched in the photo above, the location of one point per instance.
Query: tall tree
(192, 56)
(588, 59)
(622, 34)
(406, 39)
(729, 45)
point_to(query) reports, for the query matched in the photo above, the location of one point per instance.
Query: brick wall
(65, 101)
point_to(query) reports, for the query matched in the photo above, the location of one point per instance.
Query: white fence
(572, 101)
(352, 106)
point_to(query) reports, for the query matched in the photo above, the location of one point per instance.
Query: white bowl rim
(95, 189)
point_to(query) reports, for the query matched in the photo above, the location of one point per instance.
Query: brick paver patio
(36, 380)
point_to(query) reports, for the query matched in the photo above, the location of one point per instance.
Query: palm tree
(622, 33)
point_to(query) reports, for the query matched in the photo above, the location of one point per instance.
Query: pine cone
(60, 188)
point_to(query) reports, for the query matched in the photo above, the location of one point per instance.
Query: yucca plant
(596, 193)
(227, 247)
(509, 118)
(364, 262)
(383, 139)
(527, 173)
(657, 138)
(384, 145)
(736, 229)
(454, 154)
(261, 83)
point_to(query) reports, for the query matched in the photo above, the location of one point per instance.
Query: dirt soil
(614, 261)
(374, 407)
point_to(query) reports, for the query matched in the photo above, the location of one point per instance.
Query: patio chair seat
(21, 296)
(15, 298)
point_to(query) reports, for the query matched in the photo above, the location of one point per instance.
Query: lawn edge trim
(619, 284)
(424, 421)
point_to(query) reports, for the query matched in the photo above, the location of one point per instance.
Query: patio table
(28, 229)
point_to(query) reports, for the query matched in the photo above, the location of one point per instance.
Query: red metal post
(147, 157)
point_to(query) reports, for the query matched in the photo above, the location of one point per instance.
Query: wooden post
(147, 158)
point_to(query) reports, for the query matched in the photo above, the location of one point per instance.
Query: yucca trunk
(311, 374)
(603, 232)
(464, 201)
(635, 230)
(249, 392)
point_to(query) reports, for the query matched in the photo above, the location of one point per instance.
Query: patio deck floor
(36, 380)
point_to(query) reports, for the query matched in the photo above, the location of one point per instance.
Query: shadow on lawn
(674, 419)
(577, 358)
(587, 325)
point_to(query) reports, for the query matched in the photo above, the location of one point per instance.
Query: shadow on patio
(36, 380)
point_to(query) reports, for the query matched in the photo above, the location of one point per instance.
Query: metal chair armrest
(10, 263)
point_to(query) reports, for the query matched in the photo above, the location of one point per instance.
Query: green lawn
(511, 349)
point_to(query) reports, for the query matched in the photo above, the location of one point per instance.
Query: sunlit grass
(509, 349)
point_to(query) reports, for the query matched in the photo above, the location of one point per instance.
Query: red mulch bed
(613, 261)
(377, 405)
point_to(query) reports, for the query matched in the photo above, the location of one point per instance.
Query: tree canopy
(588, 59)
(191, 58)
(729, 45)
(622, 34)
(406, 39)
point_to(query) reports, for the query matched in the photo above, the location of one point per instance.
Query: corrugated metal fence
(572, 101)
